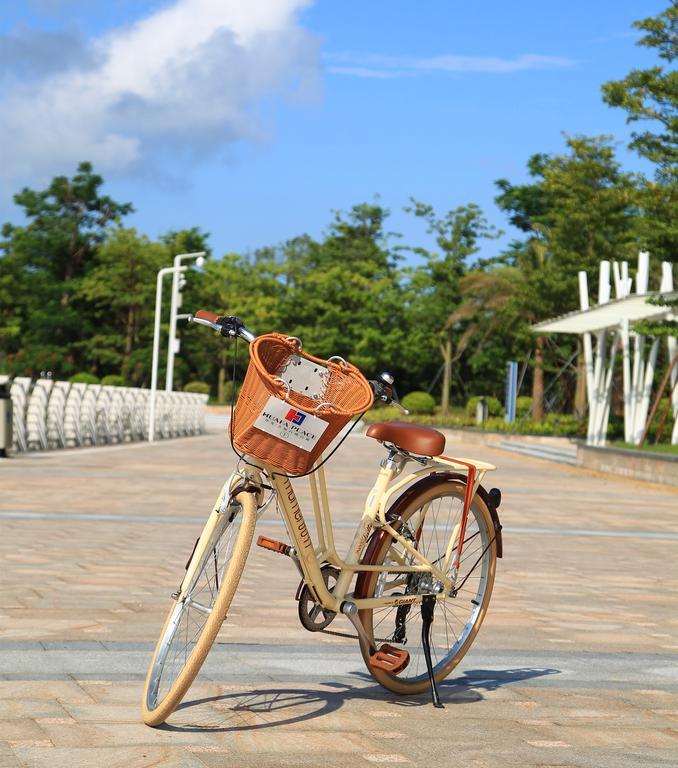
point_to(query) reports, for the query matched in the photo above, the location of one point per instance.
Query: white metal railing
(57, 414)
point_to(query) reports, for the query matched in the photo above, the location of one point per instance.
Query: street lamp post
(199, 257)
(156, 344)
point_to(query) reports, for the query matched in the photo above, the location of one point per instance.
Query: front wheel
(431, 514)
(212, 576)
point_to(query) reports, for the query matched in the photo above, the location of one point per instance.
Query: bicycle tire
(235, 535)
(448, 646)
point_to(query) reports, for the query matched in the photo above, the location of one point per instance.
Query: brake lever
(389, 394)
(396, 402)
(398, 405)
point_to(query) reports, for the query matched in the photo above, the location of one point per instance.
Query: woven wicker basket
(346, 394)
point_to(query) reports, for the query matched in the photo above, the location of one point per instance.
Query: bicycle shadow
(272, 707)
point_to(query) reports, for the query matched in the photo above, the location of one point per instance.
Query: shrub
(228, 391)
(523, 406)
(494, 407)
(554, 424)
(562, 423)
(201, 387)
(112, 380)
(84, 378)
(419, 402)
(391, 413)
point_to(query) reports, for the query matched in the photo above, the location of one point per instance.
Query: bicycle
(427, 543)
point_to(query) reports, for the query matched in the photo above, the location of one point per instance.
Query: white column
(618, 284)
(644, 392)
(626, 378)
(597, 399)
(627, 282)
(643, 272)
(638, 373)
(588, 346)
(598, 405)
(604, 413)
(637, 376)
(604, 282)
(672, 343)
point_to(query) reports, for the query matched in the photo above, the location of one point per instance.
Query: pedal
(390, 659)
(275, 546)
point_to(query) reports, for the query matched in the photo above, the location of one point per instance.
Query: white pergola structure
(609, 325)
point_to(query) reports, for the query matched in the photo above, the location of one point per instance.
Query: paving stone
(575, 665)
(18, 708)
(20, 729)
(118, 757)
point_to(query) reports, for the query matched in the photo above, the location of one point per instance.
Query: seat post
(395, 461)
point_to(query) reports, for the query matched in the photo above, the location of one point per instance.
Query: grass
(672, 450)
(561, 425)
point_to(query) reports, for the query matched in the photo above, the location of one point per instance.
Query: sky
(255, 121)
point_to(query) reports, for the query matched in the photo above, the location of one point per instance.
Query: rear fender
(394, 511)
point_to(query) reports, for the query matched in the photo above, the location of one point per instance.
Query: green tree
(15, 305)
(67, 221)
(42, 261)
(489, 318)
(581, 208)
(651, 95)
(435, 285)
(248, 286)
(191, 240)
(119, 291)
(342, 295)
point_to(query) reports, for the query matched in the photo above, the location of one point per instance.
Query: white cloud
(188, 78)
(363, 72)
(29, 53)
(379, 66)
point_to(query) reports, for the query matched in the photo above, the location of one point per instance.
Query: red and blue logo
(296, 417)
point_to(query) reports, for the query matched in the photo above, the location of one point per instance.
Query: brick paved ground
(575, 665)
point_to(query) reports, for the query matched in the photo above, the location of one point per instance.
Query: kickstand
(428, 604)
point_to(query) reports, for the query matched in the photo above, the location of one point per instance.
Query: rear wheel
(430, 517)
(212, 577)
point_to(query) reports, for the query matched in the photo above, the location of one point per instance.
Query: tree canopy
(77, 285)
(650, 95)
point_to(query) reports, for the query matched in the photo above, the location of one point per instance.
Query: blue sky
(253, 121)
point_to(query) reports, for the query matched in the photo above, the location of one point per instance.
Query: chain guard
(312, 615)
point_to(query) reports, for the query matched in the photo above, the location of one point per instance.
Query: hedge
(419, 402)
(114, 381)
(201, 387)
(84, 378)
(494, 407)
(228, 391)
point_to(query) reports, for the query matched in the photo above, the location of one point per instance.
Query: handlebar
(230, 325)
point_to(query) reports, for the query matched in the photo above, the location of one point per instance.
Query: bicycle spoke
(433, 526)
(196, 608)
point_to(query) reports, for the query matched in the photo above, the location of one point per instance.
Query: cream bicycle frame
(310, 556)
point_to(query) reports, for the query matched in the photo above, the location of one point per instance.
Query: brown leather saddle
(423, 441)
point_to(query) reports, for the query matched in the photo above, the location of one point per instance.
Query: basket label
(287, 423)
